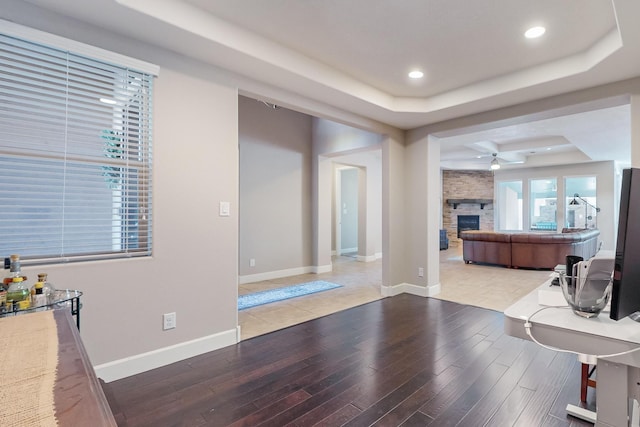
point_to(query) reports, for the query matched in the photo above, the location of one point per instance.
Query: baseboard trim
(322, 269)
(133, 365)
(277, 274)
(408, 288)
(434, 289)
(366, 258)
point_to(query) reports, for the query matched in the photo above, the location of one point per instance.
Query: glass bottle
(14, 271)
(38, 298)
(19, 294)
(47, 288)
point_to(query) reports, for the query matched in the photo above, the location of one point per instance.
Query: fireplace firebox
(468, 222)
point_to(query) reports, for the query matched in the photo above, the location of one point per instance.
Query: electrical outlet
(168, 321)
(420, 272)
(252, 262)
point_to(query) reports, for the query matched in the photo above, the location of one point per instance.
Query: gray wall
(193, 270)
(275, 188)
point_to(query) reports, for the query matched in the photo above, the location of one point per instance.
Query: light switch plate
(225, 208)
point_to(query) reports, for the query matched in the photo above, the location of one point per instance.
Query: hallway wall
(275, 190)
(276, 194)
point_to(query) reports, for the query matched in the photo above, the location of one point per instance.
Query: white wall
(275, 191)
(193, 270)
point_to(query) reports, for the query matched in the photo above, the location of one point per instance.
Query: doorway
(346, 214)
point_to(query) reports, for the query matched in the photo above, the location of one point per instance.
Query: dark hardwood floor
(405, 360)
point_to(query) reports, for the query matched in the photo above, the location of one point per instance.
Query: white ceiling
(354, 55)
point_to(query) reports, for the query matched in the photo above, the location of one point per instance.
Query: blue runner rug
(279, 294)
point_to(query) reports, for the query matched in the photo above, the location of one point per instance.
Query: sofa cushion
(486, 236)
(558, 238)
(572, 230)
(486, 247)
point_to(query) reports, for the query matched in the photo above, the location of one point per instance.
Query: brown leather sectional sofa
(528, 250)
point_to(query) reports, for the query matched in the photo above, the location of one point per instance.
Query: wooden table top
(78, 399)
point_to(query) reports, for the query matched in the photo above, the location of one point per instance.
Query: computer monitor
(625, 293)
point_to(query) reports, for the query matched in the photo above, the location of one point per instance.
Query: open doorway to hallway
(287, 214)
(346, 211)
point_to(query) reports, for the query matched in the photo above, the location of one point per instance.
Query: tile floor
(484, 286)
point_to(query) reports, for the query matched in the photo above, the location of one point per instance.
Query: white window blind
(75, 155)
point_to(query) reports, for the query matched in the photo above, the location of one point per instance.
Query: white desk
(618, 377)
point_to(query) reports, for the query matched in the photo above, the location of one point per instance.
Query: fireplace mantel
(481, 202)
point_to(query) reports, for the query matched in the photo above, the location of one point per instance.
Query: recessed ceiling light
(416, 74)
(534, 32)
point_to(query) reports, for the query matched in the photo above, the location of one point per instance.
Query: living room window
(544, 197)
(75, 151)
(580, 203)
(510, 206)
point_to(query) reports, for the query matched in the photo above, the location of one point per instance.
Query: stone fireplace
(466, 193)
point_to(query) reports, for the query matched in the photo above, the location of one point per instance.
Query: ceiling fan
(490, 149)
(470, 156)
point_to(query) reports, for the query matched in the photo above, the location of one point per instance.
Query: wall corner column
(635, 127)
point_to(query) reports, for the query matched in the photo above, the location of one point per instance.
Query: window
(544, 204)
(510, 205)
(580, 205)
(75, 154)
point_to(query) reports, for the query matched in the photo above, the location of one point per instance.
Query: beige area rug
(486, 286)
(28, 361)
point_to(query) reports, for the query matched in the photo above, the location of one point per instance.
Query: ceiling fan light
(495, 165)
